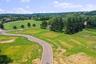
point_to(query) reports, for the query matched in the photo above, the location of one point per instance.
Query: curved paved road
(47, 55)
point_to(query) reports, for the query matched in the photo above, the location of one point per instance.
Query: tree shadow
(4, 59)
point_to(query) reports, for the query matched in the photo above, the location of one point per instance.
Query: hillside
(91, 13)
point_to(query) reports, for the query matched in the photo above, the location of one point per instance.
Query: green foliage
(4, 59)
(14, 27)
(40, 18)
(91, 21)
(1, 26)
(44, 24)
(34, 25)
(29, 24)
(91, 13)
(22, 26)
(73, 24)
(56, 24)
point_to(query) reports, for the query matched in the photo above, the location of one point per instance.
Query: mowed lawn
(84, 41)
(21, 50)
(18, 24)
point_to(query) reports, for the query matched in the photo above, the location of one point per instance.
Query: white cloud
(22, 11)
(17, 11)
(1, 10)
(56, 2)
(68, 5)
(28, 7)
(64, 5)
(88, 7)
(8, 0)
(22, 1)
(25, 1)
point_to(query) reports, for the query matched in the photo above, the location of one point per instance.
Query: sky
(45, 6)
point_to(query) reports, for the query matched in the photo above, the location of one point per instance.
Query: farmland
(73, 43)
(21, 51)
(63, 44)
(47, 32)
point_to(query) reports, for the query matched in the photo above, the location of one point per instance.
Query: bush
(34, 25)
(29, 24)
(1, 26)
(14, 27)
(22, 26)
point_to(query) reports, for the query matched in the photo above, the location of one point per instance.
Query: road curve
(47, 55)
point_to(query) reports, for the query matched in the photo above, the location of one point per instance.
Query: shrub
(34, 25)
(22, 26)
(14, 27)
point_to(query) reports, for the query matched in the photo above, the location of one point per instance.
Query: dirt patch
(59, 61)
(80, 58)
(7, 41)
(59, 57)
(60, 51)
(36, 61)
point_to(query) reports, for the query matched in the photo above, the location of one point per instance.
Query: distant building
(85, 23)
(5, 20)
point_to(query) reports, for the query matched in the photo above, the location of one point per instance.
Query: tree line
(69, 24)
(23, 26)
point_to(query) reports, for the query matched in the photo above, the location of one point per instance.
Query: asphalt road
(47, 55)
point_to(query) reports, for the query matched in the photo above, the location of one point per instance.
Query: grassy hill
(63, 45)
(91, 13)
(80, 42)
(84, 41)
(18, 24)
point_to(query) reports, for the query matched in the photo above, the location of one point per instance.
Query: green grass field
(18, 24)
(84, 41)
(21, 51)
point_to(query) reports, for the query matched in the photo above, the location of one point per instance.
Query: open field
(21, 51)
(47, 32)
(18, 24)
(80, 42)
(66, 45)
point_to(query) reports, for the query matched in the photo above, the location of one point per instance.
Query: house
(85, 23)
(5, 20)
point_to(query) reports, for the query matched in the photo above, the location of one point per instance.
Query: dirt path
(47, 55)
(7, 41)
